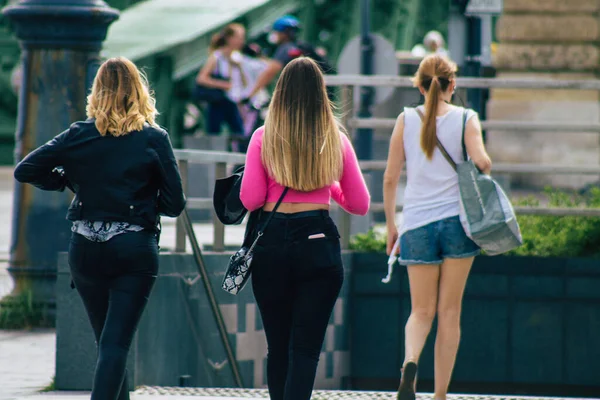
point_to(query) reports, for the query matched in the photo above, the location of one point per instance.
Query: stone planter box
(530, 325)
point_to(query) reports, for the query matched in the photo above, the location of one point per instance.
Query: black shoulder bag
(238, 270)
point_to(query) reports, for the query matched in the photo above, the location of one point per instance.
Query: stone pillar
(60, 41)
(555, 39)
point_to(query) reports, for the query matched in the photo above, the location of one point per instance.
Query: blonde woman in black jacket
(121, 167)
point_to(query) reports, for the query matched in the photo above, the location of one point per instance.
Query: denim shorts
(432, 243)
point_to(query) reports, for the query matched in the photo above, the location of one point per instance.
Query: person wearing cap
(285, 35)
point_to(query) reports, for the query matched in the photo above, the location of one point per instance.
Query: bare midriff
(292, 208)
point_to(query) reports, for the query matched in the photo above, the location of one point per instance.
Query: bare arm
(273, 68)
(475, 147)
(204, 76)
(393, 170)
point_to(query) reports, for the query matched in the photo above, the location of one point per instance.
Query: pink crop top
(258, 187)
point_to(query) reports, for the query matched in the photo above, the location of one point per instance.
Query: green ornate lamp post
(60, 42)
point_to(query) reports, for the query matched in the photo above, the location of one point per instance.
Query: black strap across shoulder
(464, 128)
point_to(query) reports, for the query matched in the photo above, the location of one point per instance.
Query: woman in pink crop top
(297, 270)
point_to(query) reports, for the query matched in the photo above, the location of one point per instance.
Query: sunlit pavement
(245, 394)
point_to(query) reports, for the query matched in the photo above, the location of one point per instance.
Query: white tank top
(243, 73)
(432, 185)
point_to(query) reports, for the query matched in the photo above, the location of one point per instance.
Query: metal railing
(218, 158)
(222, 160)
(348, 82)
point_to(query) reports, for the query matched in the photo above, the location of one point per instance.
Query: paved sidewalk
(6, 198)
(261, 395)
(86, 396)
(26, 362)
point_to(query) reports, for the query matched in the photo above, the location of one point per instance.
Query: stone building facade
(555, 39)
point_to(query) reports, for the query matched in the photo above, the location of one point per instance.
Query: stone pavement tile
(86, 396)
(26, 362)
(6, 205)
(324, 395)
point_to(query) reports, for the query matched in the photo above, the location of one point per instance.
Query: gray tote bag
(486, 213)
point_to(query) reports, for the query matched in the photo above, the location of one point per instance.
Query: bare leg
(424, 281)
(453, 278)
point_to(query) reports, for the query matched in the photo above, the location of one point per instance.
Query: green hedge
(22, 312)
(543, 236)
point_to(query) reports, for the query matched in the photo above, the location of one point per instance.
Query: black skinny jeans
(114, 280)
(296, 282)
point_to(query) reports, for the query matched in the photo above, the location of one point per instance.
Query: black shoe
(406, 391)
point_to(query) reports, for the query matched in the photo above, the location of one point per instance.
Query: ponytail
(429, 125)
(217, 41)
(433, 78)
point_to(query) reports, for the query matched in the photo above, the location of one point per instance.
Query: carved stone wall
(547, 39)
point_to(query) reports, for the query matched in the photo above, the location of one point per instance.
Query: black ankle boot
(406, 391)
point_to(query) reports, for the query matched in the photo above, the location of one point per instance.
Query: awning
(182, 28)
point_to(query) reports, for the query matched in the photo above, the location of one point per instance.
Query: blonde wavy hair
(120, 101)
(302, 146)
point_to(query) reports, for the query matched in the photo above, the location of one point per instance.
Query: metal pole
(218, 227)
(61, 41)
(473, 60)
(364, 137)
(457, 34)
(180, 238)
(346, 219)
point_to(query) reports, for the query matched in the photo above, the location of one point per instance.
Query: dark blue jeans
(296, 278)
(114, 280)
(225, 111)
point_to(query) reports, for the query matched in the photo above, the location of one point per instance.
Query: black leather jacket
(132, 178)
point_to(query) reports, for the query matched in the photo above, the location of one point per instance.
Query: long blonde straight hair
(120, 100)
(302, 147)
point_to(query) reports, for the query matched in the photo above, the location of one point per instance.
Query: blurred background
(528, 67)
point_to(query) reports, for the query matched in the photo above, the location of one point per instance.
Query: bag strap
(261, 231)
(441, 146)
(464, 128)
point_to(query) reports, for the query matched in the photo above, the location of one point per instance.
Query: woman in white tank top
(223, 71)
(433, 244)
